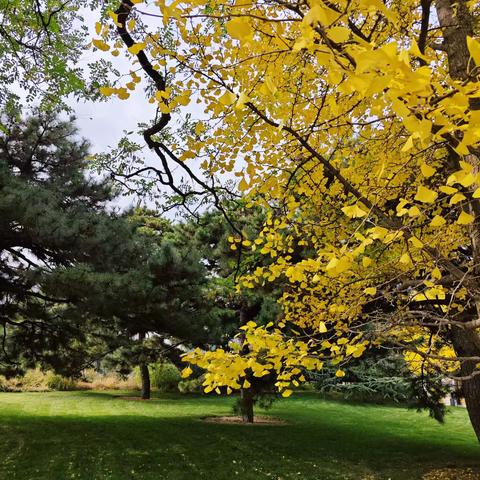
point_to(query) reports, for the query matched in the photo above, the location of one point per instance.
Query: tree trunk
(471, 391)
(246, 404)
(456, 22)
(467, 344)
(145, 374)
(246, 394)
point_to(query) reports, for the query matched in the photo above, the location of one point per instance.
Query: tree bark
(145, 375)
(247, 395)
(467, 344)
(246, 404)
(456, 22)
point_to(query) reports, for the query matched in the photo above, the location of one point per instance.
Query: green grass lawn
(92, 436)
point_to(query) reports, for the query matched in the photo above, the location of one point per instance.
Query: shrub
(34, 380)
(193, 385)
(112, 381)
(165, 377)
(4, 384)
(60, 383)
(89, 375)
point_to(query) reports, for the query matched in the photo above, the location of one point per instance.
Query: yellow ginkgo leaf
(415, 242)
(408, 144)
(186, 372)
(415, 50)
(436, 273)
(242, 100)
(448, 190)
(414, 211)
(458, 197)
(239, 28)
(465, 218)
(131, 24)
(122, 93)
(286, 393)
(339, 373)
(100, 44)
(401, 210)
(467, 180)
(227, 98)
(474, 49)
(322, 328)
(437, 221)
(353, 211)
(243, 185)
(427, 170)
(466, 167)
(425, 195)
(199, 128)
(370, 291)
(337, 266)
(339, 34)
(366, 261)
(107, 91)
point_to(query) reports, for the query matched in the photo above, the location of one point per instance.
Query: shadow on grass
(166, 438)
(322, 438)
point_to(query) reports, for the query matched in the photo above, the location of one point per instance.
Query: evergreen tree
(52, 216)
(77, 279)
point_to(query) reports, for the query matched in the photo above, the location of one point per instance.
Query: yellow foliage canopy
(358, 135)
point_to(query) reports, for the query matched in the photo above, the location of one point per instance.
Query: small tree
(211, 234)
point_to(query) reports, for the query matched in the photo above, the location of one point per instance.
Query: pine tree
(75, 276)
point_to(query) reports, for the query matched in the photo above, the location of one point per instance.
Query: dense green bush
(165, 377)
(193, 385)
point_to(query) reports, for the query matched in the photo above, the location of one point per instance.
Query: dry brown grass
(110, 381)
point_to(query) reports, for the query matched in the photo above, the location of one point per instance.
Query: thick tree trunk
(471, 391)
(145, 375)
(246, 404)
(456, 22)
(467, 344)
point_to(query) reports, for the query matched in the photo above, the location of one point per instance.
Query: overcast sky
(103, 123)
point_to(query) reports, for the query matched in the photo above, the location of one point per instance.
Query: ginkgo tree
(355, 124)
